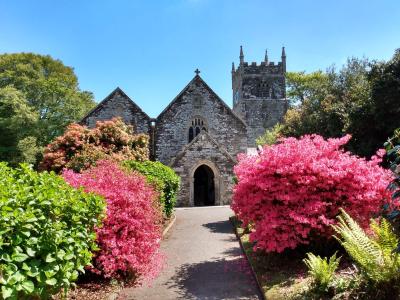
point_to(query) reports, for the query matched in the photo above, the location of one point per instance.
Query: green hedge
(46, 232)
(163, 178)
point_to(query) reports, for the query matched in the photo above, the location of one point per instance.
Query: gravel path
(204, 260)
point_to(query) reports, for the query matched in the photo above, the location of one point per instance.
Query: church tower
(259, 94)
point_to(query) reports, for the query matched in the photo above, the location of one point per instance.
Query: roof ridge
(109, 97)
(198, 77)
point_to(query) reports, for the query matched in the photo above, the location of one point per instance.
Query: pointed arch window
(196, 126)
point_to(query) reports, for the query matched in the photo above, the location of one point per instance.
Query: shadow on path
(219, 279)
(220, 226)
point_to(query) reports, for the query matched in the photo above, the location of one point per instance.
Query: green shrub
(374, 255)
(270, 136)
(163, 178)
(322, 269)
(392, 147)
(46, 232)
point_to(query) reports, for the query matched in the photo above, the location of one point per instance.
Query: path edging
(166, 229)
(247, 258)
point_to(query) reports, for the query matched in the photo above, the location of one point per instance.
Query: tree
(302, 86)
(17, 117)
(49, 87)
(331, 104)
(382, 113)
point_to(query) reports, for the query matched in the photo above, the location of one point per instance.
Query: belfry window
(196, 127)
(264, 89)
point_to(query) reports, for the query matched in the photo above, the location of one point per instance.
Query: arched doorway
(204, 187)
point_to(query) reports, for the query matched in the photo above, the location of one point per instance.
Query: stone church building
(199, 135)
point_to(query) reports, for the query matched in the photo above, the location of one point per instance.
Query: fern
(373, 254)
(321, 269)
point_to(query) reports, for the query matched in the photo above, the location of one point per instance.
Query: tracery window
(196, 127)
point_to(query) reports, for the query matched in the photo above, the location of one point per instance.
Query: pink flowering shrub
(129, 239)
(291, 193)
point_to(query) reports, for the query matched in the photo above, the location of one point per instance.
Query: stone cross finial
(197, 71)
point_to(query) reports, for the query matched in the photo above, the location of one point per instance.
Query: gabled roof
(195, 140)
(108, 98)
(199, 79)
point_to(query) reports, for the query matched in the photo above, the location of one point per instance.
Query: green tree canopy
(17, 118)
(383, 112)
(336, 102)
(49, 87)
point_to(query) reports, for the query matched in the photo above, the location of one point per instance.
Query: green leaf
(18, 276)
(51, 281)
(26, 233)
(50, 258)
(19, 257)
(74, 275)
(69, 256)
(32, 241)
(28, 286)
(5, 257)
(30, 252)
(6, 292)
(31, 220)
(61, 254)
(26, 267)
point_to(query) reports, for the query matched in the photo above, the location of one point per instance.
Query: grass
(280, 275)
(284, 276)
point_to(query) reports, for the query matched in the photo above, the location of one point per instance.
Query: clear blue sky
(151, 48)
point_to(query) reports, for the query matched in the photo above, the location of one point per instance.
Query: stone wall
(261, 114)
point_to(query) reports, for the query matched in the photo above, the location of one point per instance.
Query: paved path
(204, 260)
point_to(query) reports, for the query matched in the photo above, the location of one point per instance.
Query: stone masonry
(198, 130)
(259, 94)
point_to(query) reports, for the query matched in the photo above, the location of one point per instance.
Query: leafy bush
(163, 178)
(392, 146)
(292, 191)
(80, 147)
(46, 232)
(271, 136)
(322, 269)
(374, 254)
(129, 239)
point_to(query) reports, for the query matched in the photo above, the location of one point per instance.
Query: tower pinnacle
(266, 56)
(241, 56)
(283, 59)
(233, 67)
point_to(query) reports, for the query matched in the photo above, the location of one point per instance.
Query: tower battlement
(264, 66)
(259, 93)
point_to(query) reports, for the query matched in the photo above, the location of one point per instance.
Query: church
(199, 135)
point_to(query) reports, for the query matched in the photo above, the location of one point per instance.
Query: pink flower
(293, 190)
(129, 239)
